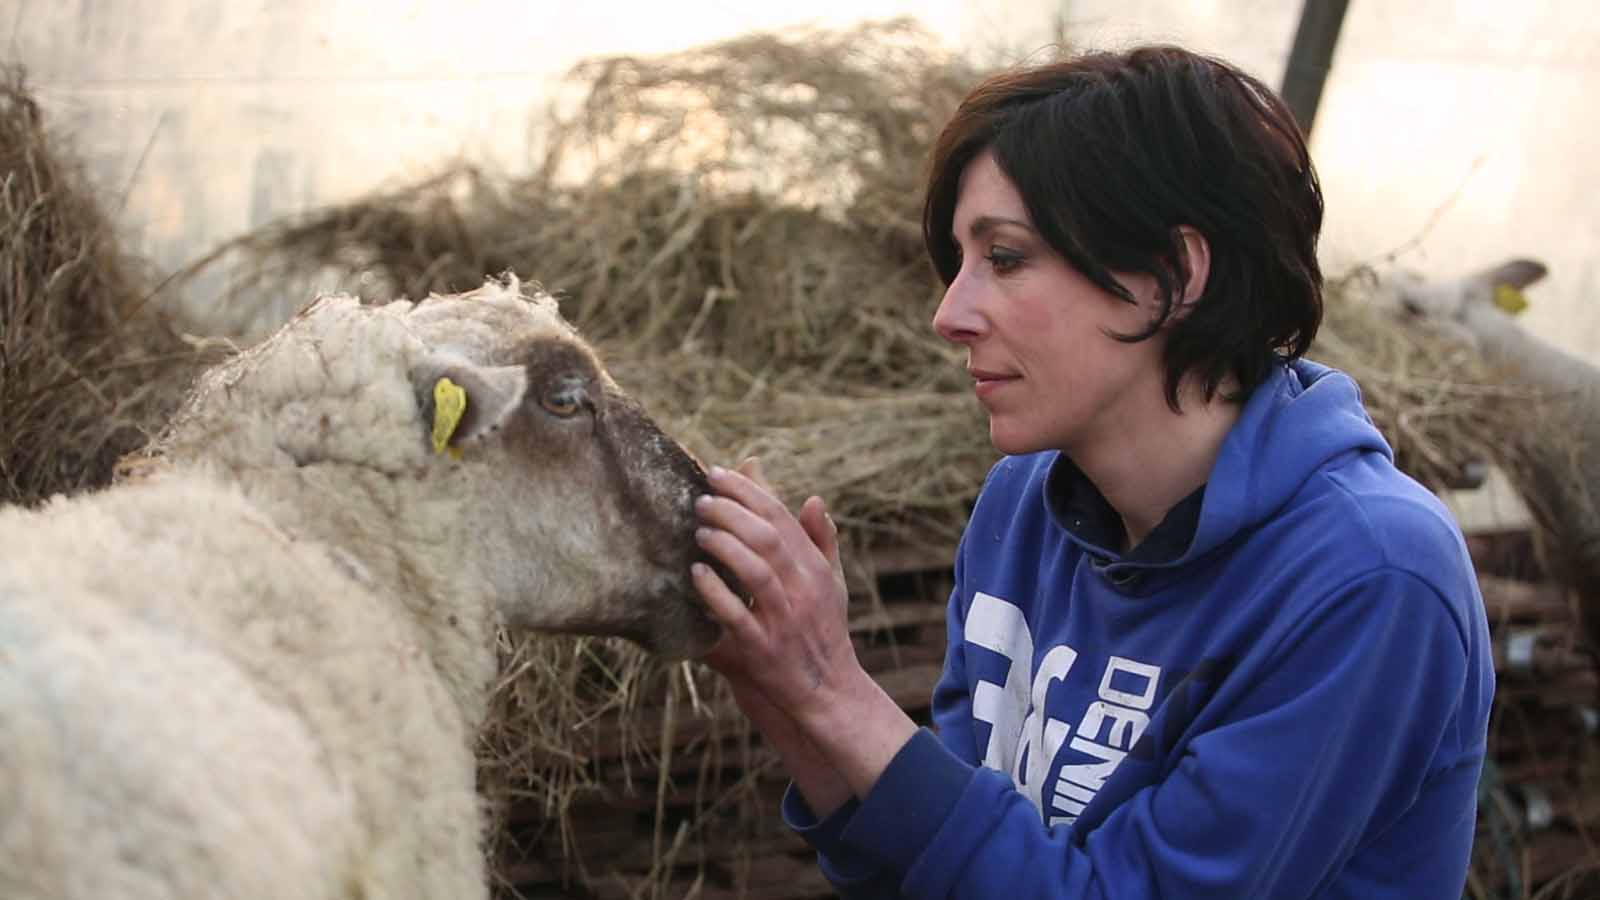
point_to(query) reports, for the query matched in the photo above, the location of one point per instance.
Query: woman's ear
(1197, 259)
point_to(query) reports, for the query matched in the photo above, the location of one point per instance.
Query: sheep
(1558, 464)
(256, 666)
(1478, 309)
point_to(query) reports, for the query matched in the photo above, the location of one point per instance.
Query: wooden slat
(899, 615)
(1553, 853)
(1571, 689)
(1536, 770)
(1508, 600)
(1507, 553)
(915, 558)
(776, 877)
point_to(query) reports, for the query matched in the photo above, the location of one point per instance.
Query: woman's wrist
(823, 789)
(857, 728)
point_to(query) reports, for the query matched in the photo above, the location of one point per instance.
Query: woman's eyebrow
(984, 224)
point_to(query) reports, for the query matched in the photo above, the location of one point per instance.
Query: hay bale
(85, 373)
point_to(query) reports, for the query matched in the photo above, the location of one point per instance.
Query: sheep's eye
(564, 401)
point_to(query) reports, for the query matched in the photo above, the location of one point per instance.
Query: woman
(1205, 640)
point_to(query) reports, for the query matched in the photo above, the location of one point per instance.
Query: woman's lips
(986, 383)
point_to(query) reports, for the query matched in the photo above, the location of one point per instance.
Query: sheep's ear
(1513, 273)
(461, 402)
(1503, 284)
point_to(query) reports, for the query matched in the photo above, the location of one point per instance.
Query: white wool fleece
(129, 718)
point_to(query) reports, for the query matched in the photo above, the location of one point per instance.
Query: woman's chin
(1012, 443)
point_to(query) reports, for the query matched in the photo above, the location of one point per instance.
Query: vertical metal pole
(1311, 56)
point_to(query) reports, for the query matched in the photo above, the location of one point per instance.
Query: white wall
(203, 118)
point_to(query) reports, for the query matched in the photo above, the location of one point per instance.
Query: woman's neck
(1155, 459)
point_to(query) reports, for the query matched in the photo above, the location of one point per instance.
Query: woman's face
(1035, 330)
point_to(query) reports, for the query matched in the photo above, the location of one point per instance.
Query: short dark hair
(1112, 152)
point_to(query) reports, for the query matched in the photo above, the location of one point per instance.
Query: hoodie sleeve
(1271, 800)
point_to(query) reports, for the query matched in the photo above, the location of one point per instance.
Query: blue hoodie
(1291, 703)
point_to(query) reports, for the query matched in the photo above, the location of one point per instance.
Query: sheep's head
(1447, 306)
(594, 503)
(496, 455)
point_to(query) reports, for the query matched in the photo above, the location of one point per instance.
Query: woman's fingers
(820, 528)
(785, 642)
(824, 533)
(751, 469)
(741, 487)
(782, 560)
(752, 569)
(746, 508)
(725, 606)
(737, 519)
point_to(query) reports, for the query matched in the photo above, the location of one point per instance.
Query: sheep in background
(256, 668)
(1557, 467)
(1479, 308)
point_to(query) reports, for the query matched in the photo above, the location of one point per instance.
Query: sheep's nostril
(1411, 306)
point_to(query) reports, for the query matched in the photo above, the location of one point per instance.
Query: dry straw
(84, 375)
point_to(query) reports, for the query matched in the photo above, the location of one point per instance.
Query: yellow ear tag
(449, 405)
(1510, 299)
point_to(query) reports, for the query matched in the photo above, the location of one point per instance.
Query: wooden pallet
(1540, 815)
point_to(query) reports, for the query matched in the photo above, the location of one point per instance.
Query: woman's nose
(958, 319)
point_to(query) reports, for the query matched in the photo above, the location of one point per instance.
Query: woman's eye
(1003, 261)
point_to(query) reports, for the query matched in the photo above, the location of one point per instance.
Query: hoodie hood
(1297, 422)
(1303, 417)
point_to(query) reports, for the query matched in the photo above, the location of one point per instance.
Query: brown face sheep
(256, 669)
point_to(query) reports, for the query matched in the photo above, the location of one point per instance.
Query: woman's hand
(823, 788)
(792, 642)
(788, 653)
